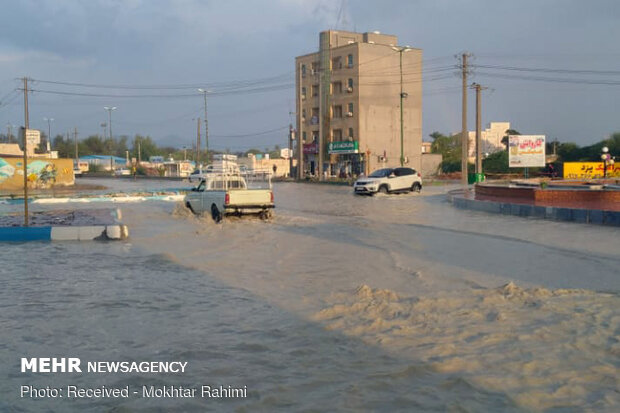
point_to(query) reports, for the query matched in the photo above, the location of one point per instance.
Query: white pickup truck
(228, 193)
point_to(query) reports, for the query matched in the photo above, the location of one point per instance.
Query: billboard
(33, 136)
(589, 170)
(526, 151)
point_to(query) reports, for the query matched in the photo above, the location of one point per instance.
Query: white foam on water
(544, 348)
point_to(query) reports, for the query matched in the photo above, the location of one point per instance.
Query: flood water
(340, 303)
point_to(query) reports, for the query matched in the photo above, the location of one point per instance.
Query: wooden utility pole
(478, 88)
(77, 156)
(26, 126)
(197, 142)
(464, 135)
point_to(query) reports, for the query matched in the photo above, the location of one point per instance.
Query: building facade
(348, 104)
(490, 139)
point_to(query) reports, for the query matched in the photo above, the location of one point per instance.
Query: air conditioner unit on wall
(382, 158)
(349, 90)
(349, 114)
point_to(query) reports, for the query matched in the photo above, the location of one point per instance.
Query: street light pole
(110, 109)
(49, 132)
(403, 95)
(605, 157)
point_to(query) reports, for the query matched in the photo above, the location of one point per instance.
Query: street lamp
(49, 132)
(403, 95)
(110, 109)
(204, 92)
(605, 156)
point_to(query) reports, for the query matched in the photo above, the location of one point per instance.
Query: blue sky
(220, 44)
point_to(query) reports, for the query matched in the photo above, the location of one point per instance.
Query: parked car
(389, 180)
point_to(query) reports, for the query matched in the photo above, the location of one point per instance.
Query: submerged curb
(586, 216)
(83, 225)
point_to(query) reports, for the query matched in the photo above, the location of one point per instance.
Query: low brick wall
(573, 198)
(505, 192)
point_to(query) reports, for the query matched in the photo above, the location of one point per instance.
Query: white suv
(390, 180)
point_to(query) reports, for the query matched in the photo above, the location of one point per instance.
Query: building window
(303, 92)
(303, 114)
(338, 111)
(337, 134)
(315, 116)
(337, 63)
(350, 60)
(303, 70)
(336, 88)
(351, 134)
(350, 108)
(315, 90)
(350, 83)
(315, 68)
(315, 135)
(303, 136)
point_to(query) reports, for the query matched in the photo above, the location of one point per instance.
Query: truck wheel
(216, 214)
(189, 206)
(416, 187)
(265, 214)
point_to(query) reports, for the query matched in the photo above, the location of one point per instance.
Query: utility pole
(110, 109)
(300, 134)
(75, 135)
(204, 92)
(26, 127)
(464, 136)
(197, 142)
(479, 175)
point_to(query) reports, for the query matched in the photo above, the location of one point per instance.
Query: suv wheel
(216, 214)
(383, 189)
(416, 187)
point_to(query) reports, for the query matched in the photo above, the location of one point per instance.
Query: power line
(168, 96)
(548, 70)
(236, 83)
(252, 134)
(554, 80)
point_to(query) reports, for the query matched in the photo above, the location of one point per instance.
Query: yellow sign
(589, 170)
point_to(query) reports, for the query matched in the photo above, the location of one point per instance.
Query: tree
(508, 133)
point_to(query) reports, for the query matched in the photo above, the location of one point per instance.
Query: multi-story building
(349, 103)
(490, 139)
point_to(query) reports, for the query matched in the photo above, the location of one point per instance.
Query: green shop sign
(343, 147)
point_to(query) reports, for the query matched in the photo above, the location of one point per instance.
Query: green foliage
(450, 149)
(507, 133)
(496, 163)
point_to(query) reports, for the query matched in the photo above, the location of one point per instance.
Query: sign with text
(311, 148)
(343, 147)
(589, 170)
(33, 136)
(526, 151)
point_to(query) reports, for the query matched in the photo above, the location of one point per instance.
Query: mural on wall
(42, 173)
(6, 170)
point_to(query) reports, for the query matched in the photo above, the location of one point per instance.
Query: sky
(551, 67)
